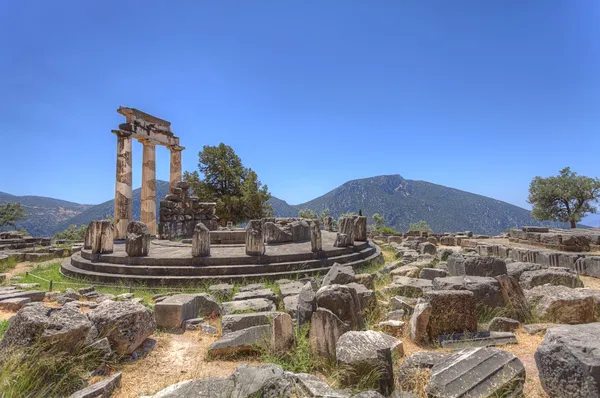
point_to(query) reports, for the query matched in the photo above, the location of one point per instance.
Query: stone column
(101, 236)
(201, 241)
(148, 214)
(123, 190)
(360, 228)
(255, 241)
(316, 244)
(175, 165)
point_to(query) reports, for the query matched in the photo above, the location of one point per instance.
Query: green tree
(419, 226)
(73, 233)
(308, 213)
(379, 221)
(10, 213)
(222, 178)
(566, 197)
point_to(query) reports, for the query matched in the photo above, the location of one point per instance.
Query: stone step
(79, 262)
(70, 270)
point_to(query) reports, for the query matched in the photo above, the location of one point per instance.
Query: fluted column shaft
(175, 165)
(123, 190)
(148, 213)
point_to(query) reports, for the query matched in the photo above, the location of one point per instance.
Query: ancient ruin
(150, 131)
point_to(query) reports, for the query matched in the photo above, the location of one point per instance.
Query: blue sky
(476, 95)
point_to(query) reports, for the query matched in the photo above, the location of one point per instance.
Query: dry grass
(591, 282)
(4, 315)
(175, 358)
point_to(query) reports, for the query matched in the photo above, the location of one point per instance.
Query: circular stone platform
(171, 263)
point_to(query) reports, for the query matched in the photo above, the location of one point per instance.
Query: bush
(420, 226)
(387, 231)
(72, 233)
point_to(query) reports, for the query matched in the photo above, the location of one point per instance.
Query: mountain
(399, 200)
(402, 202)
(43, 214)
(99, 212)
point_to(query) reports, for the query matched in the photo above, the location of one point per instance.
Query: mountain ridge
(399, 200)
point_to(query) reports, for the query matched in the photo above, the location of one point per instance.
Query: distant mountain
(99, 212)
(43, 214)
(400, 201)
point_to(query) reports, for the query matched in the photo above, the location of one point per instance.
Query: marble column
(148, 213)
(175, 165)
(123, 190)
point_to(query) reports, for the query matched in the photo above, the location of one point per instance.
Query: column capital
(176, 148)
(121, 133)
(146, 142)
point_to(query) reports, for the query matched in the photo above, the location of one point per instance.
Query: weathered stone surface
(394, 327)
(360, 228)
(282, 332)
(568, 361)
(137, 242)
(210, 387)
(102, 389)
(366, 279)
(63, 328)
(498, 373)
(126, 324)
(259, 305)
(410, 287)
(486, 289)
(513, 296)
(432, 273)
(276, 234)
(325, 330)
(553, 276)
(268, 381)
(290, 289)
(252, 286)
(346, 227)
(14, 304)
(535, 328)
(316, 242)
(366, 297)
(419, 321)
(301, 306)
(255, 244)
(338, 275)
(101, 236)
(503, 324)
(201, 241)
(443, 254)
(479, 339)
(561, 304)
(427, 248)
(343, 302)
(396, 315)
(221, 289)
(367, 352)
(311, 386)
(242, 340)
(342, 240)
(407, 270)
(328, 223)
(256, 294)
(174, 310)
(403, 303)
(300, 230)
(452, 311)
(235, 322)
(459, 264)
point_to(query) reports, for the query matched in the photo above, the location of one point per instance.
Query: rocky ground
(393, 327)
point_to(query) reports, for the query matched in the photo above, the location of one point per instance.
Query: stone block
(241, 341)
(201, 241)
(14, 304)
(258, 305)
(101, 236)
(102, 389)
(173, 311)
(561, 304)
(325, 330)
(137, 241)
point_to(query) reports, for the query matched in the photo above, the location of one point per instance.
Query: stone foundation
(568, 240)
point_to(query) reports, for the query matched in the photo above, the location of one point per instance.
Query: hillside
(100, 211)
(399, 200)
(403, 201)
(44, 214)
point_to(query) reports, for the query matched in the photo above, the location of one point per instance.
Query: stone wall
(180, 212)
(577, 240)
(288, 229)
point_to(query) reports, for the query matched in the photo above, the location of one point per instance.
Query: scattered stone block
(513, 296)
(282, 332)
(325, 330)
(235, 322)
(403, 303)
(173, 311)
(499, 373)
(419, 322)
(407, 270)
(301, 306)
(459, 264)
(14, 304)
(486, 289)
(312, 386)
(360, 228)
(366, 297)
(553, 276)
(258, 305)
(479, 339)
(427, 248)
(394, 327)
(396, 315)
(137, 241)
(101, 389)
(101, 236)
(366, 279)
(255, 242)
(256, 294)
(568, 361)
(535, 328)
(201, 241)
(338, 275)
(410, 287)
(561, 304)
(252, 286)
(342, 240)
(124, 323)
(432, 273)
(503, 324)
(33, 295)
(290, 289)
(241, 341)
(316, 242)
(221, 289)
(343, 302)
(452, 311)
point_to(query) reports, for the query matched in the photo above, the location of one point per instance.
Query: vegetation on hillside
(420, 226)
(566, 197)
(10, 213)
(72, 233)
(222, 178)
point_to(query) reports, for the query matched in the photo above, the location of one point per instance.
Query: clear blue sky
(476, 95)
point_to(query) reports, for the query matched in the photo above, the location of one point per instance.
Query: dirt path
(174, 358)
(27, 266)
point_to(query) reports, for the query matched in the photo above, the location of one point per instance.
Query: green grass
(299, 359)
(39, 372)
(3, 327)
(8, 265)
